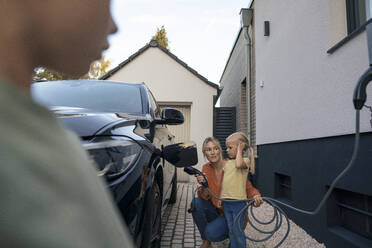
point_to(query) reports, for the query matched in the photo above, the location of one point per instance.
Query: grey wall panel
(312, 165)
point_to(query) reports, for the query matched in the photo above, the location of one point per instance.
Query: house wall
(171, 83)
(305, 115)
(232, 79)
(307, 93)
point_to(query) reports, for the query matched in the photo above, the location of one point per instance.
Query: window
(357, 13)
(110, 97)
(283, 187)
(368, 9)
(351, 211)
(345, 27)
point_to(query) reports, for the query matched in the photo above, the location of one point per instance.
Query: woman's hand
(204, 190)
(199, 178)
(257, 201)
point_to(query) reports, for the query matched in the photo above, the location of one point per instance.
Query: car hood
(87, 123)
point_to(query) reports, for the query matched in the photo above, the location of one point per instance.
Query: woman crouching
(208, 213)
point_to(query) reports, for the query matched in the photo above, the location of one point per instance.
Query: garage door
(181, 133)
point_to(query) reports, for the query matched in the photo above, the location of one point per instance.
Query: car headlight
(113, 158)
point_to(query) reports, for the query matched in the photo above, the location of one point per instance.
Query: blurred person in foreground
(50, 193)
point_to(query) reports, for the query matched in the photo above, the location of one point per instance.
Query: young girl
(233, 185)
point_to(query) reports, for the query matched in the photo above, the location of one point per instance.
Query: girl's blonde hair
(241, 137)
(214, 140)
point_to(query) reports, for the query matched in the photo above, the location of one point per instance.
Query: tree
(97, 69)
(161, 37)
(42, 73)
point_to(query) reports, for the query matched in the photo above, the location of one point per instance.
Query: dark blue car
(125, 133)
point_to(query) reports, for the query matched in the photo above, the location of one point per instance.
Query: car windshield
(100, 96)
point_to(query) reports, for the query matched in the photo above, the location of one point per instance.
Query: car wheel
(173, 197)
(152, 221)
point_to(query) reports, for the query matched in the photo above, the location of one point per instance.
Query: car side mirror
(170, 116)
(181, 154)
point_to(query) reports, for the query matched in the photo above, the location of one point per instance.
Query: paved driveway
(179, 230)
(178, 227)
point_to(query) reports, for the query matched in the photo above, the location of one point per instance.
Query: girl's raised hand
(250, 150)
(241, 147)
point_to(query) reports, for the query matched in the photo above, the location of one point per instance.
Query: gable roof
(154, 43)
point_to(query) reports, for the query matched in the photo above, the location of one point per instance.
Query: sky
(200, 32)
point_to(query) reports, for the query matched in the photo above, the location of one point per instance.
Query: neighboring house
(306, 57)
(173, 84)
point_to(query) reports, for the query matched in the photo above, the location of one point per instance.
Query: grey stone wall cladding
(243, 108)
(253, 104)
(253, 90)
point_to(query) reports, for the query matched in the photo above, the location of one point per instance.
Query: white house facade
(306, 58)
(307, 90)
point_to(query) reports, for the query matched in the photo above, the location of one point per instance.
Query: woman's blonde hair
(241, 137)
(211, 139)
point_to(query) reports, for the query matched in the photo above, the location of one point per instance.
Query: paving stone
(166, 238)
(177, 241)
(177, 246)
(188, 240)
(188, 245)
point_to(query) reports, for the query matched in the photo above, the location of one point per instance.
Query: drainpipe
(246, 19)
(248, 80)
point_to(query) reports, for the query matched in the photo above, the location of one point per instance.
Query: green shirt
(50, 193)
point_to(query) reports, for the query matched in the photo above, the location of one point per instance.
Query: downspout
(248, 79)
(246, 16)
